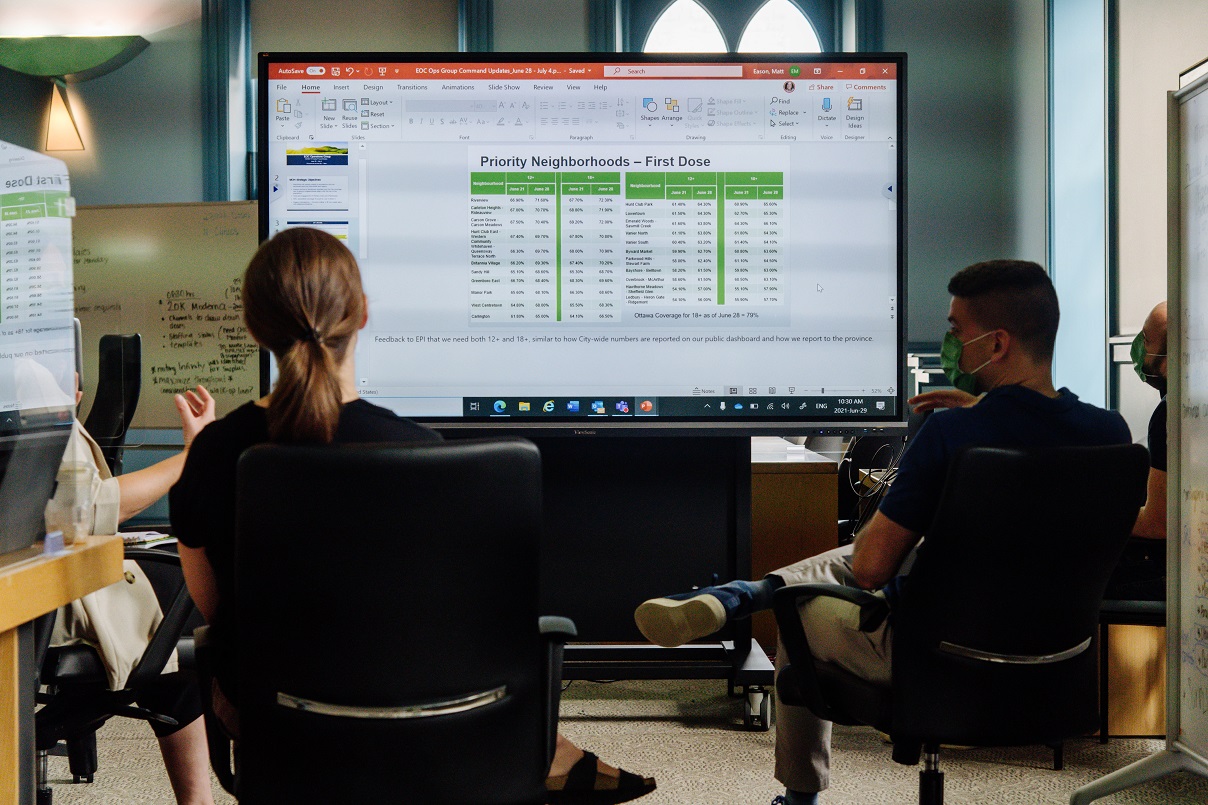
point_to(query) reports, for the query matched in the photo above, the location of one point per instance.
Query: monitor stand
(634, 517)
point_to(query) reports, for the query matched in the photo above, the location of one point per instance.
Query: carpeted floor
(689, 736)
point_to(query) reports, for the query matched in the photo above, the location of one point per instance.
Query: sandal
(586, 785)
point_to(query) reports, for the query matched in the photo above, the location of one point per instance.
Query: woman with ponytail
(302, 301)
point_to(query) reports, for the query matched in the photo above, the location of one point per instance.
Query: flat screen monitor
(37, 337)
(590, 242)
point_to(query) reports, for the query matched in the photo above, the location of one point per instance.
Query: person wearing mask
(1141, 573)
(1003, 321)
(302, 300)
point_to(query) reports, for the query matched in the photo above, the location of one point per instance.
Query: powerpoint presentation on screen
(731, 232)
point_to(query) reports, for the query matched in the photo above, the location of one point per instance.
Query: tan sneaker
(669, 622)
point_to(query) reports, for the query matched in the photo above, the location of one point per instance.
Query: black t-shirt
(202, 502)
(1157, 437)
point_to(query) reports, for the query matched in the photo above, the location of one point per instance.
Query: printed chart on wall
(1192, 468)
(171, 272)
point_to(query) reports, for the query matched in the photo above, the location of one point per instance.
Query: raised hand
(196, 409)
(944, 398)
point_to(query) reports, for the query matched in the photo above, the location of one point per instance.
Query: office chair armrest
(167, 634)
(798, 683)
(555, 630)
(217, 740)
(555, 627)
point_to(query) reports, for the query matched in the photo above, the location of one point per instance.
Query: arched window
(729, 26)
(685, 27)
(779, 27)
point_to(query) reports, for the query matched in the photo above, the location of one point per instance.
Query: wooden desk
(794, 511)
(32, 585)
(1136, 681)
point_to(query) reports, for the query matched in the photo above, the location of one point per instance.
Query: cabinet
(794, 511)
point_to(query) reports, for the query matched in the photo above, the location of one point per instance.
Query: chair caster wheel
(45, 796)
(758, 709)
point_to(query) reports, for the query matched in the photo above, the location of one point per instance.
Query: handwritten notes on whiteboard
(1192, 413)
(171, 272)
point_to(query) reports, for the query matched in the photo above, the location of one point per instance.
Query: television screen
(607, 240)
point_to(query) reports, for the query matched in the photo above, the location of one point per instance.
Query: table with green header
(607, 246)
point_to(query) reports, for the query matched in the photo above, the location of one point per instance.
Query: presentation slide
(642, 239)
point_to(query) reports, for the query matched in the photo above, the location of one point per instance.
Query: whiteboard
(1188, 427)
(173, 273)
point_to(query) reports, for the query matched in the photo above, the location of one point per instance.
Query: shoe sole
(670, 623)
(602, 797)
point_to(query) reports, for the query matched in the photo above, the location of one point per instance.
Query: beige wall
(1158, 40)
(976, 131)
(540, 25)
(367, 25)
(1029, 128)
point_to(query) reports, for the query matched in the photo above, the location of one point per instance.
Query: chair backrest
(119, 379)
(384, 577)
(1003, 598)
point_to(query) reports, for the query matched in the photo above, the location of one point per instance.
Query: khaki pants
(832, 627)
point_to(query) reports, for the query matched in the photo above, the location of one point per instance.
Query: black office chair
(78, 700)
(992, 638)
(387, 642)
(119, 378)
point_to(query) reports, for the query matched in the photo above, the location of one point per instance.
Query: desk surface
(32, 584)
(773, 455)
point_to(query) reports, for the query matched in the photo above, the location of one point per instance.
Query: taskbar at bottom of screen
(636, 407)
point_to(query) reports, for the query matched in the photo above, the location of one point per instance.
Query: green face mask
(950, 362)
(1138, 361)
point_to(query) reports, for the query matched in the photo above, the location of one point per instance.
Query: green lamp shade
(73, 58)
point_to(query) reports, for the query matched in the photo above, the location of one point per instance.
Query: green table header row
(531, 189)
(638, 184)
(741, 192)
(695, 178)
(691, 192)
(766, 177)
(589, 178)
(671, 177)
(486, 182)
(613, 189)
(33, 204)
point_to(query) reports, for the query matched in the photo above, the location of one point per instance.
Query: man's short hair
(1012, 295)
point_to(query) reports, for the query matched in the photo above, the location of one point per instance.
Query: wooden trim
(34, 585)
(10, 722)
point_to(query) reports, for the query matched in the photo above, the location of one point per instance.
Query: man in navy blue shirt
(998, 354)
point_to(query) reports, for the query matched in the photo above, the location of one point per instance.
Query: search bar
(673, 71)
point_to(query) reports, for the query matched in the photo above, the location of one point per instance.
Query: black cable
(865, 493)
